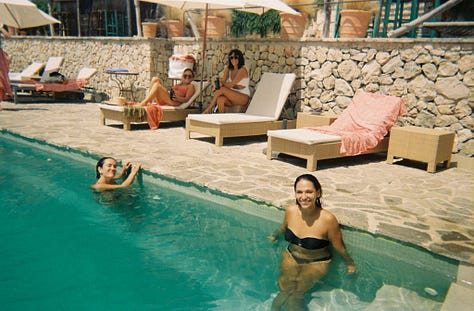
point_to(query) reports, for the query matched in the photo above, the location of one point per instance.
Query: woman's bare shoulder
(328, 216)
(291, 208)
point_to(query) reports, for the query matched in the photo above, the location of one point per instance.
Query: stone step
(459, 298)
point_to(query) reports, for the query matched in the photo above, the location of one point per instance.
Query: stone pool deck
(403, 201)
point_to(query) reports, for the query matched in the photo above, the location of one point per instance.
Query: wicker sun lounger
(129, 115)
(361, 128)
(261, 115)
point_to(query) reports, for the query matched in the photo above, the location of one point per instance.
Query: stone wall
(434, 77)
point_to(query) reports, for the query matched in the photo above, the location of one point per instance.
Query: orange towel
(365, 122)
(154, 114)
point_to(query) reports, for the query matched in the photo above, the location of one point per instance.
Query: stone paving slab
(402, 201)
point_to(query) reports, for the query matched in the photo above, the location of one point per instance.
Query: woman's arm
(335, 237)
(127, 182)
(225, 76)
(126, 165)
(279, 231)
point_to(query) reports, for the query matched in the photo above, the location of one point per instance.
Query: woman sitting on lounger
(234, 86)
(180, 93)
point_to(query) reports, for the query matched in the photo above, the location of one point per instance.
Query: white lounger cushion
(122, 108)
(228, 118)
(86, 73)
(53, 64)
(26, 74)
(266, 104)
(271, 94)
(303, 135)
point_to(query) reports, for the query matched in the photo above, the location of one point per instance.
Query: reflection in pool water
(165, 245)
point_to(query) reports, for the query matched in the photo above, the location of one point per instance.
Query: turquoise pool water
(165, 245)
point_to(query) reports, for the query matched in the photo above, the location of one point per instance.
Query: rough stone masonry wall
(147, 57)
(436, 82)
(434, 77)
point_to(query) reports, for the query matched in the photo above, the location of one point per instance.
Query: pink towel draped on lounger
(67, 85)
(365, 122)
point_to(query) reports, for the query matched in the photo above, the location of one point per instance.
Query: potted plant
(355, 17)
(293, 26)
(150, 28)
(216, 24)
(172, 21)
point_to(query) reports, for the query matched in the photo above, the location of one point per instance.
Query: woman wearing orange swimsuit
(182, 91)
(309, 229)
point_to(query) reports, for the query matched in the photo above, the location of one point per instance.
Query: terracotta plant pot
(292, 26)
(354, 23)
(215, 27)
(174, 28)
(149, 30)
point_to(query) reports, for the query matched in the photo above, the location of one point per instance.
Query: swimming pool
(169, 245)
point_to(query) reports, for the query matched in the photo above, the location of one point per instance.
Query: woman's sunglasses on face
(188, 76)
(233, 57)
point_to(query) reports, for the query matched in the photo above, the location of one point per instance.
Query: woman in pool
(106, 170)
(234, 85)
(181, 92)
(309, 229)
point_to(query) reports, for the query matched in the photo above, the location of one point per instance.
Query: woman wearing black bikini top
(309, 229)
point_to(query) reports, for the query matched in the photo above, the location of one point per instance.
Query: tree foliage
(244, 23)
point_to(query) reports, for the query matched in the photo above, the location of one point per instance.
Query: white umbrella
(23, 14)
(247, 5)
(259, 6)
(200, 4)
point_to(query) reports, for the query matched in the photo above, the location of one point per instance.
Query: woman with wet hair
(310, 230)
(106, 173)
(233, 88)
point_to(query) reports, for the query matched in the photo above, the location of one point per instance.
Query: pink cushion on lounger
(365, 122)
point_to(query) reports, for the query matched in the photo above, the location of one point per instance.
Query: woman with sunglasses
(233, 88)
(180, 93)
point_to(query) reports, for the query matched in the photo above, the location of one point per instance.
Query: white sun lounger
(261, 115)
